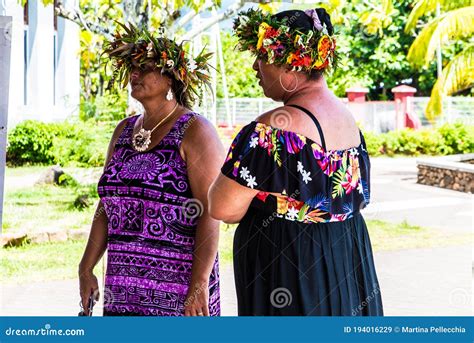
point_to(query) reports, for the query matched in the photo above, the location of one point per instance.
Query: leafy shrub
(81, 144)
(31, 142)
(447, 139)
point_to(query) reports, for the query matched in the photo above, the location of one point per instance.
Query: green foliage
(67, 143)
(31, 142)
(445, 140)
(373, 58)
(108, 107)
(66, 180)
(241, 79)
(82, 144)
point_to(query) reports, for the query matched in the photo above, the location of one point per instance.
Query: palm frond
(457, 76)
(453, 25)
(423, 7)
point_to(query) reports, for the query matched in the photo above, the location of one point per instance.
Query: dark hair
(299, 20)
(183, 97)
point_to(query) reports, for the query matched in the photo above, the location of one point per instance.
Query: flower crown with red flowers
(136, 48)
(273, 41)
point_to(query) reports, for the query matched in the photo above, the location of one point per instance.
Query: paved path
(416, 282)
(396, 197)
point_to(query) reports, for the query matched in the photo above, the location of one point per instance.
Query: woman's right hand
(88, 285)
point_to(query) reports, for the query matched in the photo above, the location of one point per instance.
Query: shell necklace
(141, 140)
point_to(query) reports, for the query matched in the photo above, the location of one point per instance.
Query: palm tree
(454, 24)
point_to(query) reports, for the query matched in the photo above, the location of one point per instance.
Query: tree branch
(77, 17)
(231, 11)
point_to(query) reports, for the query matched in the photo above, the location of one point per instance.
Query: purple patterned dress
(151, 228)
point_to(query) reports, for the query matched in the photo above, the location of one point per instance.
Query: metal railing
(456, 108)
(375, 116)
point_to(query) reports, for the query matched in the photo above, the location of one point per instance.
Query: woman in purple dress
(153, 217)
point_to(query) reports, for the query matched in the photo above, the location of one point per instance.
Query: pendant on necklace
(141, 140)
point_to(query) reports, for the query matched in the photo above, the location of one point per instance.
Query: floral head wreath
(139, 49)
(273, 40)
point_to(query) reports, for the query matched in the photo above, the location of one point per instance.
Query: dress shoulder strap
(362, 140)
(311, 115)
(126, 134)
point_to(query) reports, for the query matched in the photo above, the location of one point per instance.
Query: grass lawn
(34, 208)
(55, 261)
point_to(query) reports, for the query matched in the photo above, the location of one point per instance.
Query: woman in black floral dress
(296, 179)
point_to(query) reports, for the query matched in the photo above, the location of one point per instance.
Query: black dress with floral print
(309, 244)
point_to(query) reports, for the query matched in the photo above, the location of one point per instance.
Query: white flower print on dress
(251, 182)
(244, 173)
(254, 142)
(300, 167)
(304, 173)
(292, 213)
(360, 188)
(306, 176)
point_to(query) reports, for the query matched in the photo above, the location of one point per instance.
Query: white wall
(42, 102)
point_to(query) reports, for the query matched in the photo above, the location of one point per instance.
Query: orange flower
(324, 46)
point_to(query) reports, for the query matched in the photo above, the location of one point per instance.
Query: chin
(135, 93)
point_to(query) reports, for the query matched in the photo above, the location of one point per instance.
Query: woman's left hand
(197, 300)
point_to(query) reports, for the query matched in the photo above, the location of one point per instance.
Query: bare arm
(204, 154)
(97, 242)
(229, 201)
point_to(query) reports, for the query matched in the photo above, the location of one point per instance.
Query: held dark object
(90, 307)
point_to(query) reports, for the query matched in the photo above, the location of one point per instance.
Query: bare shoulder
(199, 127)
(280, 117)
(201, 139)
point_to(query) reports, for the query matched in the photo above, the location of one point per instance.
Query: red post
(356, 93)
(405, 115)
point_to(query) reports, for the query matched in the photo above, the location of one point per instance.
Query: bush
(31, 142)
(445, 140)
(82, 144)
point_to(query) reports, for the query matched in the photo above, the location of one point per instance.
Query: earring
(169, 95)
(285, 88)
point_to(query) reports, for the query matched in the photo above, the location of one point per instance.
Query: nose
(134, 75)
(255, 65)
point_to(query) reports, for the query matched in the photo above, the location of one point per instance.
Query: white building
(44, 75)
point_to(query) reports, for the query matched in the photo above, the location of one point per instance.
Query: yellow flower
(290, 58)
(282, 205)
(261, 34)
(295, 42)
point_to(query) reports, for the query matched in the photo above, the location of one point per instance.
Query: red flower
(271, 32)
(262, 196)
(298, 60)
